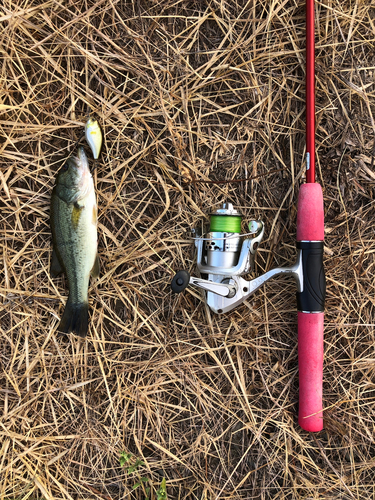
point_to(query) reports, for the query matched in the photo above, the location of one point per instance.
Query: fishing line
(225, 224)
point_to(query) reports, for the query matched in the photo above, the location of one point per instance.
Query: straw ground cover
(200, 102)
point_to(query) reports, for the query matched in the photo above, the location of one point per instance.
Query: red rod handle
(310, 236)
(310, 364)
(310, 91)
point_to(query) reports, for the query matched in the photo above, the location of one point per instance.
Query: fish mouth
(82, 157)
(79, 171)
(80, 162)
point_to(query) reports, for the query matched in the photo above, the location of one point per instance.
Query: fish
(94, 138)
(74, 220)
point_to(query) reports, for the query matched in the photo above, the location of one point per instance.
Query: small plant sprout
(161, 494)
(124, 458)
(132, 465)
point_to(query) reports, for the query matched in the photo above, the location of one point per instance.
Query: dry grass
(186, 91)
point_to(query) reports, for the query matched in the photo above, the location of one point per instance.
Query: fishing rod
(224, 255)
(310, 233)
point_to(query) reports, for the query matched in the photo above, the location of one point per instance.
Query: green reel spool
(225, 224)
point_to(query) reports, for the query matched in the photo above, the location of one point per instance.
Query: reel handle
(310, 236)
(180, 281)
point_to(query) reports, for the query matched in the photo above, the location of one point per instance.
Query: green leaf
(124, 458)
(131, 469)
(161, 494)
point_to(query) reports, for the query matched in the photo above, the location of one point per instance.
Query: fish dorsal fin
(55, 268)
(95, 268)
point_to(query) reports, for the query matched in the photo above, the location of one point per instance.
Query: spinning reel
(224, 255)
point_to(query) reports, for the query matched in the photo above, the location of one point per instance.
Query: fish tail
(75, 318)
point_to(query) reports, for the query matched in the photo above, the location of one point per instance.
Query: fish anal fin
(95, 268)
(55, 267)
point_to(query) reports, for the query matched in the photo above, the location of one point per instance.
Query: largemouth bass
(74, 235)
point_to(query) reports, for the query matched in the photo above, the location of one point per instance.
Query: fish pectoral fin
(76, 214)
(95, 268)
(55, 268)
